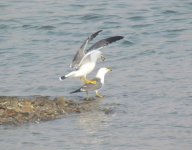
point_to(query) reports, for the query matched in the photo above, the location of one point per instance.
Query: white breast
(86, 69)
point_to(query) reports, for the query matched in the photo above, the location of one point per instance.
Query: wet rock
(18, 110)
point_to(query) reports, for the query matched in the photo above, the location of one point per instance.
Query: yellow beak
(109, 69)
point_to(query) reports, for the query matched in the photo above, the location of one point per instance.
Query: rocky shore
(18, 110)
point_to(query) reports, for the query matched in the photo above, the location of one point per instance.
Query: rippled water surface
(149, 92)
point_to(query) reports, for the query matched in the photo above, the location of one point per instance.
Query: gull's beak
(103, 58)
(109, 69)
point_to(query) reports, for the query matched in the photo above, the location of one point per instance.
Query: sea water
(149, 92)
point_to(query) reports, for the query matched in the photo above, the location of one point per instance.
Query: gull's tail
(62, 78)
(71, 74)
(79, 90)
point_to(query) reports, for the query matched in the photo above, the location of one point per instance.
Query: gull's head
(101, 73)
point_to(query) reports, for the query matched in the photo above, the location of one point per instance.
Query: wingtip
(118, 37)
(99, 31)
(121, 37)
(94, 35)
(114, 39)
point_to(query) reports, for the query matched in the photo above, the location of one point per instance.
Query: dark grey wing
(81, 52)
(86, 42)
(94, 35)
(92, 87)
(102, 43)
(76, 60)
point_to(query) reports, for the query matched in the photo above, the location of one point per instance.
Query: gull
(100, 76)
(85, 67)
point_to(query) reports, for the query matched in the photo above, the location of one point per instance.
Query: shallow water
(149, 91)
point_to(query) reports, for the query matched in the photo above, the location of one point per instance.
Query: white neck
(101, 76)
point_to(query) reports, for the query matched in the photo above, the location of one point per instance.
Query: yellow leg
(98, 95)
(86, 81)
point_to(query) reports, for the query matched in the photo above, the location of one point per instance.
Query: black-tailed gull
(85, 67)
(100, 76)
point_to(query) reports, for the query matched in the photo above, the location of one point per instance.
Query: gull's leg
(99, 95)
(86, 81)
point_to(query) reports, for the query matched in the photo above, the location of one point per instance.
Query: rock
(18, 110)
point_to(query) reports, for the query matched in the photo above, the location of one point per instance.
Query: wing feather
(103, 43)
(81, 52)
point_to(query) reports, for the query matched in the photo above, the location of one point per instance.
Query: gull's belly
(87, 68)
